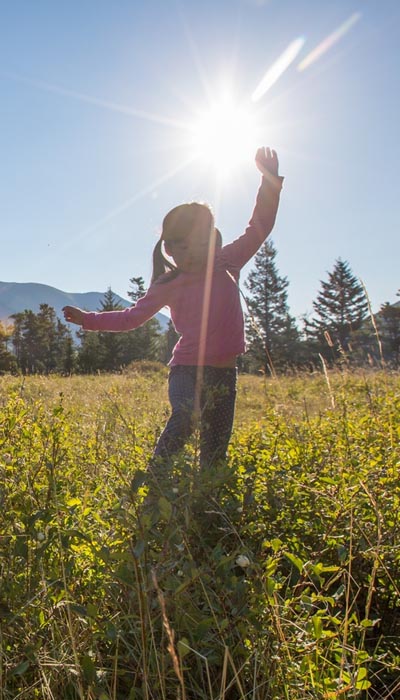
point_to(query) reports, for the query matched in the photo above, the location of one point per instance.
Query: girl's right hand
(73, 315)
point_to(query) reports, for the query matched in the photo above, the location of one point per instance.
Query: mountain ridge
(16, 297)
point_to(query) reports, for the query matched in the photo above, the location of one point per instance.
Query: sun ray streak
(204, 326)
(196, 56)
(106, 104)
(278, 68)
(329, 41)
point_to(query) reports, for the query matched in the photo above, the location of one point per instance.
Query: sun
(225, 136)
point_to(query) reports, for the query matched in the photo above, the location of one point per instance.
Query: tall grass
(276, 576)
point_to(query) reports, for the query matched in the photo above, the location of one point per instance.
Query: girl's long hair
(177, 224)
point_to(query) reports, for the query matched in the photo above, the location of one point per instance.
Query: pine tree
(39, 340)
(388, 321)
(101, 351)
(49, 335)
(111, 355)
(69, 356)
(7, 359)
(17, 337)
(90, 352)
(138, 289)
(29, 354)
(340, 309)
(272, 335)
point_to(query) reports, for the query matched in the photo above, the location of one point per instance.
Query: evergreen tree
(69, 356)
(89, 355)
(272, 335)
(17, 337)
(29, 347)
(39, 340)
(7, 359)
(388, 322)
(138, 289)
(340, 309)
(49, 340)
(112, 343)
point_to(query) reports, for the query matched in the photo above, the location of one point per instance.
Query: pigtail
(160, 264)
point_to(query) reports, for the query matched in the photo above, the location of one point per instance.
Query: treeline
(342, 330)
(39, 343)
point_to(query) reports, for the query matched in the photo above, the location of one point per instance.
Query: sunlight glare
(225, 136)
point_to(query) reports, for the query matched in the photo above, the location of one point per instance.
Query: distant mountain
(20, 296)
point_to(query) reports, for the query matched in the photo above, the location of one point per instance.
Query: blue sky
(98, 99)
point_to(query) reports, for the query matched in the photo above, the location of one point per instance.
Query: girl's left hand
(267, 161)
(73, 315)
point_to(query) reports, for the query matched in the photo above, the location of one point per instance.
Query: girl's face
(190, 254)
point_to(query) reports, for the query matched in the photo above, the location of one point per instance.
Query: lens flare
(277, 68)
(329, 41)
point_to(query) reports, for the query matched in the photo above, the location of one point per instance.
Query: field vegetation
(275, 577)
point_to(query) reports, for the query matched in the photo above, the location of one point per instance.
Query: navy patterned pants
(213, 391)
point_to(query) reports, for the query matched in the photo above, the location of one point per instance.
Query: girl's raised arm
(235, 255)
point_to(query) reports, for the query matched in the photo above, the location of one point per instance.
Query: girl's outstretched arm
(235, 255)
(124, 320)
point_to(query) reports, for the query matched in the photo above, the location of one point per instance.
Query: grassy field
(276, 577)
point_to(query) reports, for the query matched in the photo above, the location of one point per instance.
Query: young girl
(201, 291)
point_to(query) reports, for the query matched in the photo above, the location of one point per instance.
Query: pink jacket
(208, 315)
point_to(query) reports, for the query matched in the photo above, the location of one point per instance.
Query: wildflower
(242, 561)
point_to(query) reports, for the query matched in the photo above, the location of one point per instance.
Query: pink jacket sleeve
(128, 319)
(235, 255)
